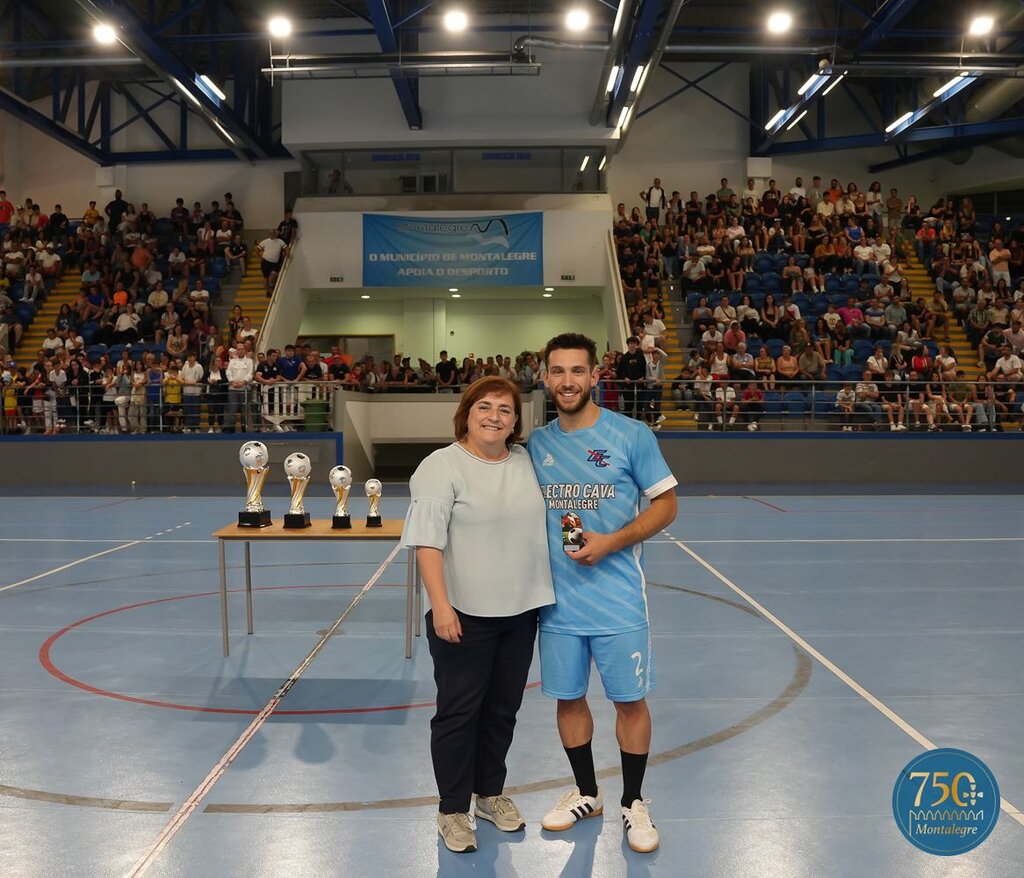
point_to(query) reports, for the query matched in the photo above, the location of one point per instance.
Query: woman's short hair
(477, 391)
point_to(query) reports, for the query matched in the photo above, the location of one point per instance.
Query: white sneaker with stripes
(570, 807)
(641, 834)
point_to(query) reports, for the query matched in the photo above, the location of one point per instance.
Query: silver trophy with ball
(373, 491)
(254, 458)
(297, 467)
(341, 483)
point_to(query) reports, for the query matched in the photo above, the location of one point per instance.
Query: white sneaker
(660, 419)
(901, 428)
(641, 833)
(966, 428)
(893, 428)
(752, 427)
(570, 807)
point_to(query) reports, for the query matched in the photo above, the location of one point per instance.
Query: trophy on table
(254, 458)
(297, 467)
(373, 491)
(341, 483)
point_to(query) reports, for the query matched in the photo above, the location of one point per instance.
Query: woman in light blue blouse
(477, 522)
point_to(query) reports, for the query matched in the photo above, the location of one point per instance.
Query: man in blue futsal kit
(593, 465)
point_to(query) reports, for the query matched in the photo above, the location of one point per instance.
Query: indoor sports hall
(257, 262)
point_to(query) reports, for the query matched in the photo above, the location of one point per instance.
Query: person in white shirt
(200, 298)
(724, 313)
(175, 262)
(798, 190)
(191, 375)
(654, 198)
(272, 251)
(725, 403)
(654, 327)
(49, 261)
(239, 374)
(1008, 368)
(864, 257)
(126, 328)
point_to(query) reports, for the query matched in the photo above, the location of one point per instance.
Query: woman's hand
(446, 624)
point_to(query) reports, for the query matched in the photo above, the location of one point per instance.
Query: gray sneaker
(501, 811)
(457, 831)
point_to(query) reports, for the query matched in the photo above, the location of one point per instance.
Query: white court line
(71, 564)
(887, 712)
(190, 805)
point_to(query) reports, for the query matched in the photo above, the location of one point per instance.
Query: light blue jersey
(598, 475)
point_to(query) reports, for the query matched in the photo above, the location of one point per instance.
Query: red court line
(47, 662)
(765, 503)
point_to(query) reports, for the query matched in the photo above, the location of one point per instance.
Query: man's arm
(656, 517)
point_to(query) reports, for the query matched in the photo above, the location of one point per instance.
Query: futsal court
(894, 621)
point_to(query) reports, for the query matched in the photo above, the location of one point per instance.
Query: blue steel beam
(132, 34)
(959, 84)
(29, 115)
(637, 51)
(406, 89)
(883, 23)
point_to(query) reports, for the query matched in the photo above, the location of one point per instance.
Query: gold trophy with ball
(373, 491)
(341, 483)
(254, 458)
(298, 468)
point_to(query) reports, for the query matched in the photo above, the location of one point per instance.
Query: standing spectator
(654, 198)
(632, 372)
(192, 391)
(239, 373)
(288, 229)
(447, 374)
(115, 210)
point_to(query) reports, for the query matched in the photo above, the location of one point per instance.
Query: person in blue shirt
(593, 465)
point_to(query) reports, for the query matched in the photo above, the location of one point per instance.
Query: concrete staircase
(248, 292)
(677, 355)
(64, 293)
(921, 284)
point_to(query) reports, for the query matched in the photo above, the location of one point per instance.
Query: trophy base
(373, 521)
(296, 520)
(341, 522)
(254, 519)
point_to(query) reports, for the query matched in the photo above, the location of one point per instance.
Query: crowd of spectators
(136, 349)
(810, 285)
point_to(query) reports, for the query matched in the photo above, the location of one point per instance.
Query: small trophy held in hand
(297, 467)
(254, 458)
(373, 492)
(341, 483)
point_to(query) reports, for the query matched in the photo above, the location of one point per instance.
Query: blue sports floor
(116, 703)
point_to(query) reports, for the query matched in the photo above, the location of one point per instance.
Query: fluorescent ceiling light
(586, 161)
(834, 83)
(942, 89)
(771, 122)
(279, 27)
(612, 78)
(223, 131)
(577, 19)
(604, 161)
(213, 86)
(894, 125)
(455, 20)
(981, 25)
(364, 296)
(549, 289)
(792, 124)
(813, 78)
(637, 76)
(780, 21)
(623, 115)
(453, 289)
(546, 295)
(618, 16)
(104, 34)
(456, 295)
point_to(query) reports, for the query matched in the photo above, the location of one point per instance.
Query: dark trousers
(480, 683)
(628, 394)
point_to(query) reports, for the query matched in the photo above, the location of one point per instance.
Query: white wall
(423, 327)
(691, 143)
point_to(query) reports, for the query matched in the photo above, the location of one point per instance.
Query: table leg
(410, 585)
(223, 597)
(419, 600)
(248, 586)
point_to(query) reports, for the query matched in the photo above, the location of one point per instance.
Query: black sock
(633, 767)
(581, 759)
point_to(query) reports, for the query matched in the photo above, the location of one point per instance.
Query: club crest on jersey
(598, 456)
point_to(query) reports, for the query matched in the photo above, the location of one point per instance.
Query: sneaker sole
(508, 827)
(564, 827)
(643, 850)
(469, 849)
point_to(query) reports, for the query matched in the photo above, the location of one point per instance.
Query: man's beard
(573, 409)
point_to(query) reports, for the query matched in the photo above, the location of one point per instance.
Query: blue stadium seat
(802, 259)
(862, 349)
(837, 299)
(833, 284)
(17, 291)
(114, 352)
(833, 372)
(779, 261)
(772, 402)
(853, 372)
(88, 331)
(795, 404)
(774, 346)
(851, 286)
(771, 283)
(754, 346)
(763, 264)
(933, 348)
(218, 267)
(95, 351)
(757, 300)
(824, 402)
(691, 300)
(752, 283)
(802, 302)
(819, 306)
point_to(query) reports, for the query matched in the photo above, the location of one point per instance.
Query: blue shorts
(624, 662)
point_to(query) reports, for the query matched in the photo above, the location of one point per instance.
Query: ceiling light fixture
(279, 27)
(637, 76)
(771, 122)
(942, 89)
(613, 77)
(793, 124)
(546, 295)
(364, 297)
(549, 289)
(213, 86)
(780, 21)
(813, 78)
(892, 126)
(577, 19)
(104, 34)
(455, 20)
(834, 83)
(981, 25)
(604, 161)
(584, 163)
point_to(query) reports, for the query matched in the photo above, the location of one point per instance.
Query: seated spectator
(237, 255)
(786, 367)
(811, 365)
(742, 365)
(878, 363)
(725, 405)
(734, 337)
(752, 406)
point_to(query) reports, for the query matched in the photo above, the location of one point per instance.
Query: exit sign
(336, 279)
(568, 277)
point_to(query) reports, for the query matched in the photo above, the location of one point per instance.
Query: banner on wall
(500, 250)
